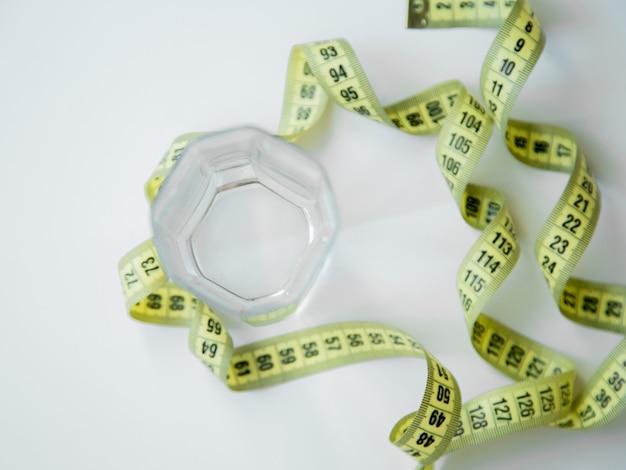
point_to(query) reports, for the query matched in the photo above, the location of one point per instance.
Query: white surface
(91, 95)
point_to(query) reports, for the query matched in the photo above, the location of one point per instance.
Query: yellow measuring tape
(543, 391)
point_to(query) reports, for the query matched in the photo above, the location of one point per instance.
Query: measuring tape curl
(544, 392)
(424, 434)
(568, 230)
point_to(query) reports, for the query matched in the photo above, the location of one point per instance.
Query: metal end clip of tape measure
(543, 392)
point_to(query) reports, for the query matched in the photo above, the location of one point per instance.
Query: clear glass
(244, 221)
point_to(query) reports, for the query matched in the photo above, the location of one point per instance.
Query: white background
(91, 95)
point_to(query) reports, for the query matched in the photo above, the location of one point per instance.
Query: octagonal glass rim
(239, 155)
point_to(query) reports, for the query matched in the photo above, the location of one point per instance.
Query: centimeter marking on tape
(543, 392)
(454, 13)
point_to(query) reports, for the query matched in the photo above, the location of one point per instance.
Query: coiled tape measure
(542, 393)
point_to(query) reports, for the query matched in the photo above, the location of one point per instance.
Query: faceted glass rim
(197, 179)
